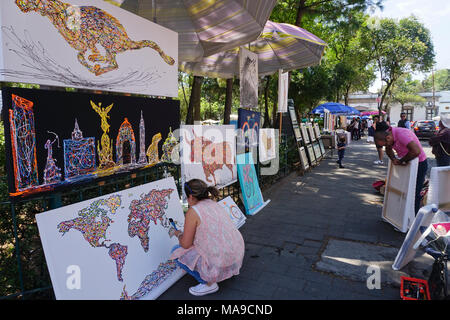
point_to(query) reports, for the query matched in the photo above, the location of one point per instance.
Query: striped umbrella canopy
(205, 27)
(280, 46)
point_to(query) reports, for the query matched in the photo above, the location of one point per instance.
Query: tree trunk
(266, 103)
(193, 113)
(228, 100)
(300, 12)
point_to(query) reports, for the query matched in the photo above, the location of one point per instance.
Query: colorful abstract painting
(114, 247)
(248, 180)
(208, 153)
(248, 135)
(94, 135)
(86, 44)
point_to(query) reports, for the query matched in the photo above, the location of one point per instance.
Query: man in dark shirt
(404, 123)
(441, 142)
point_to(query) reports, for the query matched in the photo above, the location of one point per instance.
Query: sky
(434, 14)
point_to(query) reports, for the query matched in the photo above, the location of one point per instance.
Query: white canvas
(143, 59)
(267, 144)
(398, 205)
(304, 133)
(311, 131)
(146, 271)
(439, 189)
(304, 158)
(236, 215)
(198, 149)
(407, 250)
(283, 87)
(248, 71)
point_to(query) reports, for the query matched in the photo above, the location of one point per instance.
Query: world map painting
(120, 243)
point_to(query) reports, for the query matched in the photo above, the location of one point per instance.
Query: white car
(393, 124)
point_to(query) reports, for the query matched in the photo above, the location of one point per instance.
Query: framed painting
(87, 44)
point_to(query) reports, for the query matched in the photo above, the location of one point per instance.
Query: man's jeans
(421, 173)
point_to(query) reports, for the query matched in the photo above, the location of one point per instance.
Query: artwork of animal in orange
(214, 156)
(87, 27)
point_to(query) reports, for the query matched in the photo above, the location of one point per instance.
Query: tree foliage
(398, 47)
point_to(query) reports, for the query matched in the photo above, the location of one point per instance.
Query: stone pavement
(316, 238)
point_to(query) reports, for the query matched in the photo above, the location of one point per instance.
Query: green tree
(398, 47)
(406, 90)
(441, 81)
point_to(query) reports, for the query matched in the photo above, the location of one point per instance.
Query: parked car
(425, 128)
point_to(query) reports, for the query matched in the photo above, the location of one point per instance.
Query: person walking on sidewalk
(341, 151)
(408, 147)
(211, 248)
(441, 142)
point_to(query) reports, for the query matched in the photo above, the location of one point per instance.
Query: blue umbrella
(335, 108)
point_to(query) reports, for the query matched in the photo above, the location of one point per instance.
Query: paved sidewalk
(285, 241)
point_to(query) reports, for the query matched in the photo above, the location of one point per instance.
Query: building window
(430, 114)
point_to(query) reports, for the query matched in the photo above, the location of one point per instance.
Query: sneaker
(341, 167)
(378, 162)
(203, 289)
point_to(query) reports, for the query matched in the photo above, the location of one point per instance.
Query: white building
(414, 111)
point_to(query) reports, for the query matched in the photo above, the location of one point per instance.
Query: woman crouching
(211, 248)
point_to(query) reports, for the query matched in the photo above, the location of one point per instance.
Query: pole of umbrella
(281, 124)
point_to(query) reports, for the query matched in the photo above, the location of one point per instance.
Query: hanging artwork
(310, 130)
(317, 130)
(303, 158)
(267, 145)
(304, 133)
(295, 126)
(168, 148)
(79, 154)
(98, 134)
(311, 155)
(208, 153)
(248, 124)
(248, 71)
(126, 144)
(119, 244)
(398, 204)
(248, 180)
(52, 173)
(86, 44)
(283, 86)
(23, 143)
(317, 152)
(233, 210)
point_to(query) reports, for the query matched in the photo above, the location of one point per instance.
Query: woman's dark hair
(200, 190)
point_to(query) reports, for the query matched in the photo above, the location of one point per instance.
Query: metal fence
(23, 269)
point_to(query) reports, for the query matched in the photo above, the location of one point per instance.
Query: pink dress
(218, 248)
